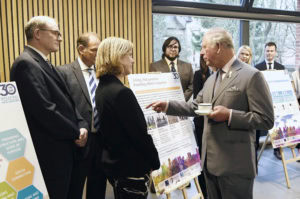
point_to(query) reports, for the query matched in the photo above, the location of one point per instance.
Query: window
(226, 2)
(189, 30)
(289, 5)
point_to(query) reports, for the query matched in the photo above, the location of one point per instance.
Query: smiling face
(244, 55)
(127, 62)
(172, 50)
(270, 53)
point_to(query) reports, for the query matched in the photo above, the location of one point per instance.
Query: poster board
(20, 173)
(286, 130)
(173, 136)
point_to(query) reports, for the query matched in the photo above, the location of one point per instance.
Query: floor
(269, 184)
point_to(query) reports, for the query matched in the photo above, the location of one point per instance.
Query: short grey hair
(35, 23)
(220, 36)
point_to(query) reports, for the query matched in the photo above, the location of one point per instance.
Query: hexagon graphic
(30, 192)
(3, 167)
(7, 191)
(12, 144)
(20, 173)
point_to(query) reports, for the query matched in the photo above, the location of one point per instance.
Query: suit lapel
(78, 74)
(164, 66)
(230, 76)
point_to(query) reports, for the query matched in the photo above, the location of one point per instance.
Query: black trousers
(129, 188)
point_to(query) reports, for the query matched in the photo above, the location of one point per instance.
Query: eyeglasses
(56, 32)
(173, 47)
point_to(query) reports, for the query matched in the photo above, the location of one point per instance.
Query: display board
(286, 130)
(173, 136)
(20, 173)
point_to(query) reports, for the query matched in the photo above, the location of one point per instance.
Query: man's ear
(80, 49)
(219, 48)
(37, 34)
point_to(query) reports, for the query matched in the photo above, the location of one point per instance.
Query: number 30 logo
(7, 89)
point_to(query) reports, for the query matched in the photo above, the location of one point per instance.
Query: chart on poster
(173, 136)
(20, 173)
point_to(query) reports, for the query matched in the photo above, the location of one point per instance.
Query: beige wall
(129, 19)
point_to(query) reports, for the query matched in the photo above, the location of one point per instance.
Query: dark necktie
(173, 67)
(270, 66)
(49, 64)
(92, 88)
(218, 80)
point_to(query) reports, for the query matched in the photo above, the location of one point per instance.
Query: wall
(129, 19)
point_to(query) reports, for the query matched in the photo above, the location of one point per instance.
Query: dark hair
(203, 69)
(271, 44)
(167, 42)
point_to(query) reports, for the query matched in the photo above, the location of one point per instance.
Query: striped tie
(92, 88)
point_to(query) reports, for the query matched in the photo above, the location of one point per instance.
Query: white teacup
(205, 107)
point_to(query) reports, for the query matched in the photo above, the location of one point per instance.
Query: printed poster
(20, 173)
(286, 130)
(173, 136)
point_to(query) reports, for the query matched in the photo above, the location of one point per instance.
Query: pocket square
(233, 88)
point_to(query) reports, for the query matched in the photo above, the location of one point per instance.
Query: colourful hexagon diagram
(3, 167)
(7, 191)
(30, 192)
(20, 173)
(12, 144)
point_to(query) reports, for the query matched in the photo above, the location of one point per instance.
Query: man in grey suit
(170, 63)
(77, 76)
(241, 103)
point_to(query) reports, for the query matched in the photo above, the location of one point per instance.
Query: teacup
(205, 107)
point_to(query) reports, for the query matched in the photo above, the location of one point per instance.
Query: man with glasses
(170, 63)
(55, 125)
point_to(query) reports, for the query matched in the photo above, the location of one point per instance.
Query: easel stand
(184, 193)
(284, 161)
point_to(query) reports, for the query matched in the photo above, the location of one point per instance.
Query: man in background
(54, 123)
(170, 63)
(269, 64)
(82, 82)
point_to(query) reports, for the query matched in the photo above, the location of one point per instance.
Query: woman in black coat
(200, 77)
(128, 154)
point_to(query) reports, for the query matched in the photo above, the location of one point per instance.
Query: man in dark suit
(170, 63)
(241, 103)
(54, 123)
(269, 64)
(77, 76)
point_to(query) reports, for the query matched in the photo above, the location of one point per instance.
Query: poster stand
(184, 192)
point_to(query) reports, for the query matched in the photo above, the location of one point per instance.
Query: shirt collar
(169, 62)
(227, 66)
(83, 66)
(269, 62)
(39, 52)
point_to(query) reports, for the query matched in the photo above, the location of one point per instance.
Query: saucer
(199, 112)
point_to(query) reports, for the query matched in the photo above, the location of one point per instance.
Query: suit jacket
(230, 149)
(128, 149)
(50, 112)
(79, 92)
(185, 71)
(263, 66)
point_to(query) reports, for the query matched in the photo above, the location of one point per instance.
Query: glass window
(226, 2)
(283, 34)
(290, 5)
(189, 30)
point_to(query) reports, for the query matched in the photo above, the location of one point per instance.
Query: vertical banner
(286, 130)
(173, 136)
(20, 173)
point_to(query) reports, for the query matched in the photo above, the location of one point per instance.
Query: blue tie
(92, 88)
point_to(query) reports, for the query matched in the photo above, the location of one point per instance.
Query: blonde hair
(109, 53)
(219, 36)
(247, 48)
(35, 23)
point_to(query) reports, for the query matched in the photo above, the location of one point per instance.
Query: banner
(173, 136)
(20, 173)
(286, 130)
